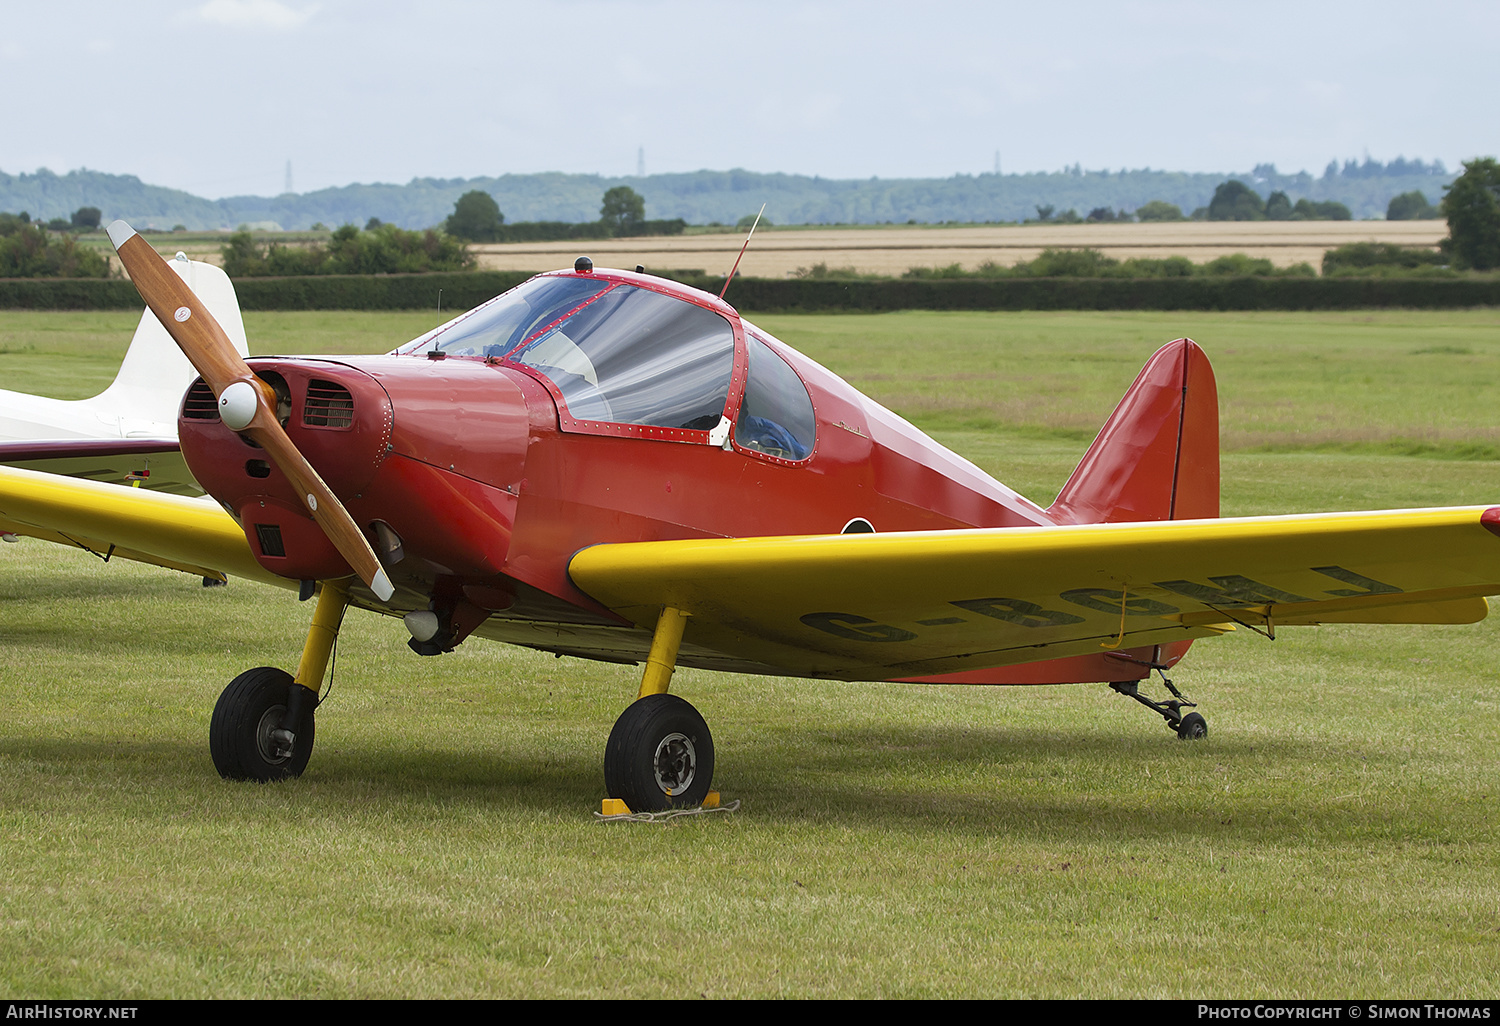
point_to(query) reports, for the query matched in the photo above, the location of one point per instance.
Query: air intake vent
(328, 404)
(199, 403)
(269, 536)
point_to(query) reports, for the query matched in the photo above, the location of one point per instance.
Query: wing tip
(1490, 520)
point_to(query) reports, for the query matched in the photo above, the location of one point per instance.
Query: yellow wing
(193, 535)
(883, 606)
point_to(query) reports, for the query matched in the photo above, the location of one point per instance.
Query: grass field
(1334, 836)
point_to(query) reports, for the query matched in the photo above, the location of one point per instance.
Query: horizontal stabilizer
(154, 463)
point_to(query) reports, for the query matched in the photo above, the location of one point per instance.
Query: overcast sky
(215, 96)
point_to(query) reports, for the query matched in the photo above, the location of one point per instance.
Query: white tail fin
(142, 401)
(155, 374)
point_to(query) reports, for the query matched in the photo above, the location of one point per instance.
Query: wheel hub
(275, 744)
(675, 763)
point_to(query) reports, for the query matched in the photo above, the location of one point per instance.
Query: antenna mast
(737, 259)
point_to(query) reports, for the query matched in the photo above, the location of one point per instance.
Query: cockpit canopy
(616, 352)
(619, 354)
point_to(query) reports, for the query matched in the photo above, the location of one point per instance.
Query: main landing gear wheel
(660, 755)
(247, 737)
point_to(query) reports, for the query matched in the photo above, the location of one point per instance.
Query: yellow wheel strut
(662, 659)
(323, 632)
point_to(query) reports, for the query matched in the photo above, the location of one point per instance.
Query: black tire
(1192, 728)
(239, 734)
(660, 755)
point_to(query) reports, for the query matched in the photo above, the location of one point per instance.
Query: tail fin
(1157, 457)
(154, 373)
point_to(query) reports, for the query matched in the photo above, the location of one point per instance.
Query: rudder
(1157, 456)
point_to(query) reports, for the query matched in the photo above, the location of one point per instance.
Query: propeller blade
(180, 311)
(246, 403)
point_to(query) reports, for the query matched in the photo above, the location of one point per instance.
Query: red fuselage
(477, 472)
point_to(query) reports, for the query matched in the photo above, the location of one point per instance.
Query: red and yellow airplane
(610, 465)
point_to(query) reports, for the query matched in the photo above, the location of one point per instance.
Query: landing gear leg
(262, 727)
(660, 753)
(1191, 727)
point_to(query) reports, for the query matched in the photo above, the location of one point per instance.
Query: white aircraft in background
(128, 433)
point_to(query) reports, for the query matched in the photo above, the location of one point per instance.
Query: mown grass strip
(1336, 835)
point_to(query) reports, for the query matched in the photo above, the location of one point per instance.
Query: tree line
(705, 197)
(1471, 205)
(33, 250)
(476, 217)
(1232, 201)
(378, 249)
(386, 249)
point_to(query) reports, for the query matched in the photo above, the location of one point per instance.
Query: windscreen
(500, 325)
(633, 356)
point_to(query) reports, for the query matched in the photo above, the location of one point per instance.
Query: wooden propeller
(246, 403)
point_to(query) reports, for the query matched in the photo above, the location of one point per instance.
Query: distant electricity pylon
(288, 176)
(640, 162)
(997, 162)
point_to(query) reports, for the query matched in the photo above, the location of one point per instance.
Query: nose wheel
(262, 728)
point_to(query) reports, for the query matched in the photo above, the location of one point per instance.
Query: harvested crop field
(778, 252)
(890, 250)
